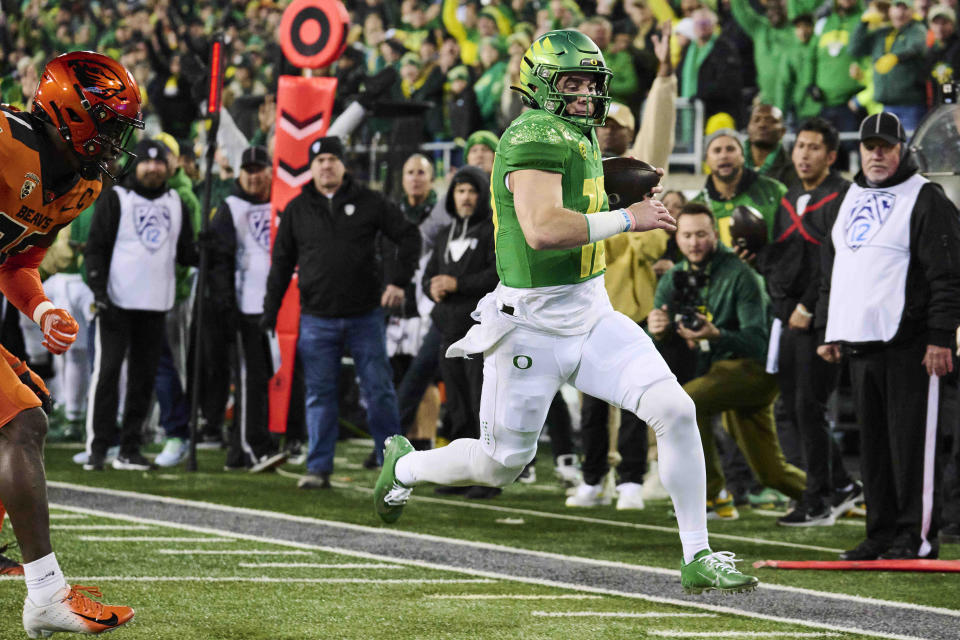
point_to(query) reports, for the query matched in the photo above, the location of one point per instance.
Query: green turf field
(186, 583)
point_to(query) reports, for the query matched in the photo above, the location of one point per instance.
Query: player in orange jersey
(51, 166)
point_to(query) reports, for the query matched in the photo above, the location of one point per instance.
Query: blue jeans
(320, 348)
(174, 411)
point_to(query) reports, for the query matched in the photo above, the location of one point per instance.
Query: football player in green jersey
(549, 321)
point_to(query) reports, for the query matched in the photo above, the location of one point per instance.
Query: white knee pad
(665, 405)
(492, 473)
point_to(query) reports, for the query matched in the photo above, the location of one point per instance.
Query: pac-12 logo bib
(867, 215)
(259, 222)
(153, 225)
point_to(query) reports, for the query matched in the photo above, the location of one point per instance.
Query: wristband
(604, 224)
(41, 309)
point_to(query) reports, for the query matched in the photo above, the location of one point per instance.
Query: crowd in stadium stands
(442, 71)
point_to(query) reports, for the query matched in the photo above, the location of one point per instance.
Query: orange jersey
(32, 209)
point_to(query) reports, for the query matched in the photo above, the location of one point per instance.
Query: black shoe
(269, 462)
(95, 462)
(314, 481)
(371, 461)
(444, 490)
(133, 461)
(806, 516)
(866, 550)
(482, 493)
(950, 533)
(908, 550)
(9, 567)
(846, 499)
(210, 441)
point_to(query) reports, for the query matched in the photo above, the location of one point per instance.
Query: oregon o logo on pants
(522, 362)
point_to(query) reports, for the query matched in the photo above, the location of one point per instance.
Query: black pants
(560, 427)
(215, 368)
(138, 337)
(806, 381)
(420, 374)
(631, 443)
(891, 393)
(463, 381)
(250, 434)
(949, 449)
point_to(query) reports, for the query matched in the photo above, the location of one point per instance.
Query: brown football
(748, 228)
(628, 180)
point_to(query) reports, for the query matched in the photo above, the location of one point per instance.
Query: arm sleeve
(283, 261)
(484, 281)
(751, 335)
(861, 40)
(100, 240)
(450, 21)
(913, 46)
(187, 254)
(222, 285)
(406, 236)
(747, 17)
(432, 266)
(655, 139)
(827, 253)
(937, 247)
(20, 280)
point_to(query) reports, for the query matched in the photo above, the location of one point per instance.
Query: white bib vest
(252, 224)
(868, 285)
(145, 251)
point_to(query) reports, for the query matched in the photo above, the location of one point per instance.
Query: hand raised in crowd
(938, 361)
(800, 319)
(441, 285)
(830, 352)
(707, 331)
(658, 321)
(392, 297)
(661, 48)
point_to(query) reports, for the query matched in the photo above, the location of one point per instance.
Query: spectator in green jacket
(731, 184)
(898, 51)
(943, 59)
(773, 39)
(830, 81)
(793, 97)
(489, 86)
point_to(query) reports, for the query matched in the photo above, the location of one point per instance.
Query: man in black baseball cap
(885, 126)
(255, 158)
(882, 147)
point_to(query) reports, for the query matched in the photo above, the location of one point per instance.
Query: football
(748, 228)
(627, 180)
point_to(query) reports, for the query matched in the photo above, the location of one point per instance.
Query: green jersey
(541, 141)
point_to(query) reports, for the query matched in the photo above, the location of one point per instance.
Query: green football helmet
(554, 54)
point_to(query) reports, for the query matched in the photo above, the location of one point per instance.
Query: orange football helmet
(94, 103)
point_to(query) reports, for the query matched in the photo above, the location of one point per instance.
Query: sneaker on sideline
(112, 453)
(630, 496)
(714, 571)
(134, 461)
(767, 498)
(174, 451)
(567, 470)
(804, 515)
(314, 481)
(73, 611)
(847, 498)
(9, 567)
(588, 495)
(529, 474)
(269, 462)
(722, 507)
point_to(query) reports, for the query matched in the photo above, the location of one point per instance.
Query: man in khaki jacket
(630, 282)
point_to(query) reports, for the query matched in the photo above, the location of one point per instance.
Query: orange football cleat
(74, 612)
(9, 567)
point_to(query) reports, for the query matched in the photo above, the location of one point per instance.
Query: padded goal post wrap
(304, 106)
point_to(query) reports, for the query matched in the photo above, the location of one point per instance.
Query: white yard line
(674, 633)
(500, 576)
(233, 552)
(618, 614)
(149, 539)
(318, 565)
(100, 527)
(512, 596)
(76, 579)
(67, 516)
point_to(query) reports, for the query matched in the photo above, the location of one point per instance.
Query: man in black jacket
(329, 231)
(791, 267)
(890, 301)
(461, 270)
(137, 233)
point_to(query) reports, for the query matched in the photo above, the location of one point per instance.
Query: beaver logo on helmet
(97, 78)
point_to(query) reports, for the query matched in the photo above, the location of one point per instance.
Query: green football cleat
(714, 571)
(389, 496)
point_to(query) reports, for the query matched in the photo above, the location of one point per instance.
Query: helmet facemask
(557, 100)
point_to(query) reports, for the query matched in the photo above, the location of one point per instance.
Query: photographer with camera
(718, 305)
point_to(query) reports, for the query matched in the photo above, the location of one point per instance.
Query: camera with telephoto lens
(688, 297)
